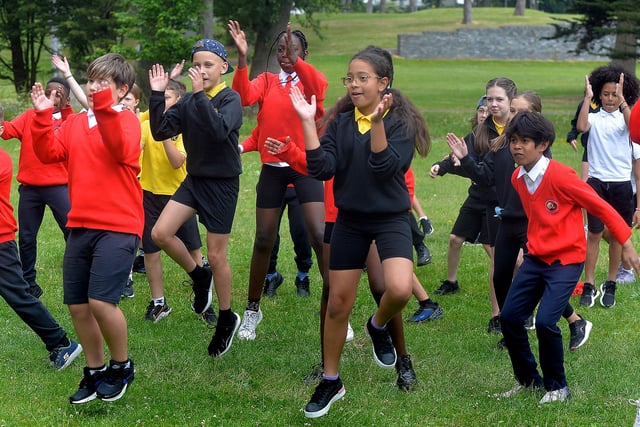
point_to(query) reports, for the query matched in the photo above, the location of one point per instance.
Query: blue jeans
(551, 286)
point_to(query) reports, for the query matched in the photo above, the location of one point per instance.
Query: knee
(264, 240)
(159, 237)
(455, 241)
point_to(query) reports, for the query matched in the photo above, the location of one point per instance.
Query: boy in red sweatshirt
(553, 197)
(101, 148)
(41, 184)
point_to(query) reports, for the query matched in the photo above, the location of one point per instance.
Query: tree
(262, 21)
(520, 7)
(599, 18)
(467, 12)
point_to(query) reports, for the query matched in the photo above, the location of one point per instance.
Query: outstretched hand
(158, 78)
(385, 103)
(305, 110)
(457, 145)
(239, 38)
(275, 146)
(176, 70)
(61, 64)
(588, 90)
(197, 82)
(39, 98)
(619, 89)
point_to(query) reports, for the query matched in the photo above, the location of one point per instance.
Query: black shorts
(97, 264)
(475, 222)
(273, 182)
(214, 199)
(618, 194)
(328, 230)
(153, 206)
(353, 234)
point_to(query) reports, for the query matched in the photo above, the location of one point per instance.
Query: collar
(215, 90)
(537, 170)
(286, 78)
(56, 115)
(91, 117)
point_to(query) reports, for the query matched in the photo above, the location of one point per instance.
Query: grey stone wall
(506, 42)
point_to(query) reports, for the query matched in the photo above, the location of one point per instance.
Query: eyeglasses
(362, 79)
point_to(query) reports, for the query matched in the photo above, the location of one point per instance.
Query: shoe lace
(251, 319)
(322, 391)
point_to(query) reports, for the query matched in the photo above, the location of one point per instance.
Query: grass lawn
(259, 383)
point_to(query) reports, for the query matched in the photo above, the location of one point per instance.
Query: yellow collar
(215, 90)
(364, 122)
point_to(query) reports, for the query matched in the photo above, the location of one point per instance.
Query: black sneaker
(501, 345)
(426, 225)
(127, 291)
(423, 254)
(324, 395)
(589, 295)
(448, 287)
(116, 381)
(406, 375)
(35, 290)
(302, 287)
(138, 265)
(580, 330)
(383, 351)
(223, 337)
(315, 375)
(427, 312)
(608, 298)
(88, 386)
(156, 313)
(209, 317)
(270, 285)
(202, 293)
(494, 326)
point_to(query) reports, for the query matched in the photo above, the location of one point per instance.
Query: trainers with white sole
(249, 324)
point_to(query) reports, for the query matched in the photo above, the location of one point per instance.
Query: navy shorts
(214, 199)
(273, 182)
(619, 195)
(475, 224)
(353, 233)
(153, 206)
(97, 264)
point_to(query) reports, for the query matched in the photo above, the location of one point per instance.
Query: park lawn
(259, 383)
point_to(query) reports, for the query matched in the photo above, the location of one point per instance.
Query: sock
(330, 377)
(226, 317)
(424, 302)
(125, 364)
(302, 274)
(158, 301)
(93, 371)
(253, 305)
(380, 328)
(272, 276)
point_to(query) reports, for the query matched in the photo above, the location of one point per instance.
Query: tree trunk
(383, 5)
(206, 28)
(413, 5)
(467, 12)
(625, 47)
(369, 6)
(264, 41)
(520, 6)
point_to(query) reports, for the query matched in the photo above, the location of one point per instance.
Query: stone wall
(506, 42)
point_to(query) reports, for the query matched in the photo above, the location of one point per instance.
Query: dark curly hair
(611, 74)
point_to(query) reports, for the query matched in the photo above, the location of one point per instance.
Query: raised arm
(63, 66)
(582, 124)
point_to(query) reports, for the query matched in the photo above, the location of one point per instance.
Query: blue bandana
(212, 46)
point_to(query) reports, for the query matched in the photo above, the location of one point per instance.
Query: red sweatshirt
(31, 171)
(634, 123)
(7, 220)
(276, 115)
(103, 164)
(556, 227)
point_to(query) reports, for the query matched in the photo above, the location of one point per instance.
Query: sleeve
(481, 173)
(573, 133)
(47, 144)
(398, 154)
(634, 123)
(164, 124)
(321, 162)
(251, 143)
(251, 91)
(223, 119)
(296, 158)
(15, 128)
(314, 83)
(120, 130)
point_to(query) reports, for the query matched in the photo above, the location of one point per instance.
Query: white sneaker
(349, 337)
(250, 321)
(624, 276)
(559, 395)
(636, 403)
(518, 388)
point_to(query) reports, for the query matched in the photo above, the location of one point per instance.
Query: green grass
(259, 383)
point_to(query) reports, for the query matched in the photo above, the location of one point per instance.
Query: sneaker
(156, 313)
(579, 331)
(426, 225)
(448, 287)
(406, 375)
(350, 333)
(302, 287)
(494, 326)
(608, 298)
(423, 254)
(315, 376)
(501, 345)
(636, 403)
(530, 323)
(61, 357)
(324, 395)
(127, 291)
(624, 276)
(88, 385)
(116, 381)
(223, 337)
(559, 395)
(517, 389)
(383, 351)
(427, 312)
(35, 290)
(209, 317)
(205, 262)
(138, 265)
(589, 295)
(270, 285)
(202, 293)
(249, 324)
